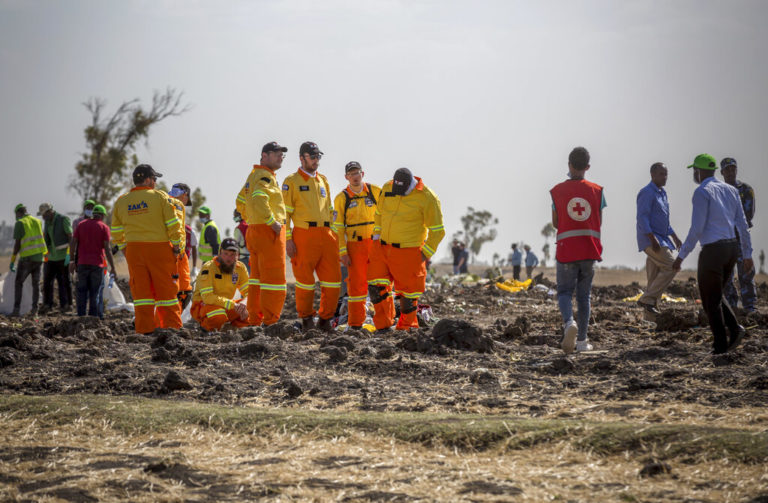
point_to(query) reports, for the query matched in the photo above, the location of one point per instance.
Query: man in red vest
(577, 212)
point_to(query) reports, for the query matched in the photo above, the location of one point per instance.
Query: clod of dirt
(675, 321)
(483, 376)
(175, 381)
(161, 355)
(230, 337)
(724, 359)
(759, 382)
(14, 341)
(341, 341)
(255, 349)
(167, 339)
(249, 333)
(384, 350)
(292, 388)
(461, 334)
(281, 330)
(562, 366)
(335, 353)
(8, 357)
(654, 468)
(483, 486)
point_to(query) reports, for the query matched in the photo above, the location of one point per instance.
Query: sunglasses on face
(315, 156)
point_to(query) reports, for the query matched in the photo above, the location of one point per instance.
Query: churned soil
(490, 352)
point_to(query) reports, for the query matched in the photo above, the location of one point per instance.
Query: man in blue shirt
(717, 214)
(747, 288)
(531, 261)
(515, 260)
(653, 237)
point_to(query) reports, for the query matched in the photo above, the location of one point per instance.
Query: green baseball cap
(704, 161)
(100, 209)
(89, 202)
(18, 207)
(205, 210)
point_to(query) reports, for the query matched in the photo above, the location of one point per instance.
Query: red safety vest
(577, 203)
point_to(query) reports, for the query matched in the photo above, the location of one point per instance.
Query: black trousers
(516, 272)
(56, 270)
(27, 267)
(716, 262)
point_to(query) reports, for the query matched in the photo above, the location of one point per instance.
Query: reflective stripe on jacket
(205, 249)
(260, 201)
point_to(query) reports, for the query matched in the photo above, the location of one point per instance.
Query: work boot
(44, 309)
(307, 323)
(384, 331)
(736, 339)
(33, 311)
(649, 308)
(325, 325)
(355, 327)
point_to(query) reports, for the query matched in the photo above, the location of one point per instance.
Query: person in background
(88, 206)
(57, 232)
(515, 260)
(463, 258)
(209, 236)
(456, 252)
(747, 289)
(180, 197)
(239, 235)
(29, 245)
(531, 261)
(90, 244)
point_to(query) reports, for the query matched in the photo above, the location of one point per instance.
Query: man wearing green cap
(88, 206)
(30, 247)
(90, 244)
(717, 216)
(210, 237)
(57, 231)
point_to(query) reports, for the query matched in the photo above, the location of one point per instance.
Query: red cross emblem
(579, 209)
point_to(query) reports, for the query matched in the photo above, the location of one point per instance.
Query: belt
(316, 224)
(722, 242)
(393, 245)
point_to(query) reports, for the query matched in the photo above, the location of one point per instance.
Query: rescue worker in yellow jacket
(311, 243)
(213, 303)
(145, 225)
(353, 216)
(408, 227)
(260, 201)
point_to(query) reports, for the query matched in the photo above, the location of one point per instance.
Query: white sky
(483, 100)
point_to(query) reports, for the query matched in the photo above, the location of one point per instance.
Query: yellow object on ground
(664, 297)
(513, 286)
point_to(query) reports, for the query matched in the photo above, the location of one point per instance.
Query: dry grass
(219, 463)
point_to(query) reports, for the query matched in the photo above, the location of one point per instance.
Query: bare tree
(101, 173)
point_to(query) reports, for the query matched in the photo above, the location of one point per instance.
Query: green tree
(477, 231)
(548, 231)
(111, 143)
(762, 261)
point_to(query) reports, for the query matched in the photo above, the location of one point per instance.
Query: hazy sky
(483, 100)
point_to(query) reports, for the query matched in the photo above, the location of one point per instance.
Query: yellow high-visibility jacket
(353, 215)
(307, 199)
(216, 288)
(260, 201)
(145, 215)
(413, 220)
(181, 214)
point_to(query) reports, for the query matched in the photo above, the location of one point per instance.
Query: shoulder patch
(285, 186)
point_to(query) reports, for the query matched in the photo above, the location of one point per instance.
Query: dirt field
(482, 406)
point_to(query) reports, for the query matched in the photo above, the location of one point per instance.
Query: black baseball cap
(309, 147)
(229, 244)
(144, 171)
(273, 146)
(728, 161)
(352, 165)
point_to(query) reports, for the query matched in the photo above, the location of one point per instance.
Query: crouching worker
(219, 279)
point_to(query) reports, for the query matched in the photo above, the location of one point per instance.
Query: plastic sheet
(7, 292)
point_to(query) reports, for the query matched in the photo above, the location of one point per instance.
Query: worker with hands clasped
(408, 226)
(213, 302)
(260, 201)
(311, 243)
(353, 220)
(145, 225)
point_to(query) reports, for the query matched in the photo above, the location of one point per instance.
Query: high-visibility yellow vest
(204, 249)
(33, 242)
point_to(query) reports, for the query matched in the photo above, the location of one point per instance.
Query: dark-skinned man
(354, 213)
(145, 225)
(310, 242)
(655, 237)
(747, 289)
(213, 303)
(29, 246)
(717, 216)
(57, 231)
(90, 244)
(260, 202)
(210, 238)
(408, 227)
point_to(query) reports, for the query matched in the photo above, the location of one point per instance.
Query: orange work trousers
(407, 270)
(357, 280)
(185, 282)
(317, 250)
(266, 284)
(152, 267)
(213, 317)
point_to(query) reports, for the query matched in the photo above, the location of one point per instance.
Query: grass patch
(142, 415)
